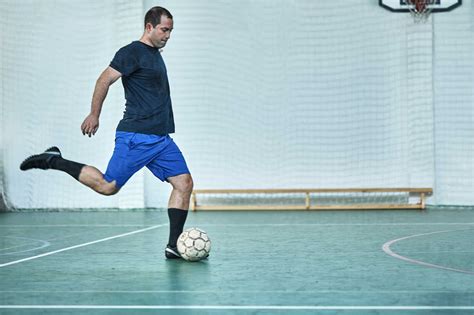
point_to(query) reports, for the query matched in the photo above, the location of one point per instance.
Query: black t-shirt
(145, 81)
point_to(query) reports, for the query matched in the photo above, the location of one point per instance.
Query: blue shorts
(135, 150)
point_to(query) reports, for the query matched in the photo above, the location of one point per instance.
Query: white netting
(420, 9)
(301, 94)
(48, 75)
(266, 94)
(2, 125)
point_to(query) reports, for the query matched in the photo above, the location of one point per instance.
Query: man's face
(160, 34)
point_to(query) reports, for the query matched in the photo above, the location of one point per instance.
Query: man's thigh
(169, 163)
(132, 151)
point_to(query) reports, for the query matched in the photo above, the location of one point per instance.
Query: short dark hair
(153, 15)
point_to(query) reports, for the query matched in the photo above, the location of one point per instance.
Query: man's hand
(90, 125)
(105, 80)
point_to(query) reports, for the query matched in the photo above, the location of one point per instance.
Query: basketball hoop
(420, 9)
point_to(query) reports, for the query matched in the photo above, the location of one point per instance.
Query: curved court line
(80, 245)
(387, 250)
(236, 307)
(44, 244)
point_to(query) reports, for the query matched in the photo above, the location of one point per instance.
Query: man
(142, 136)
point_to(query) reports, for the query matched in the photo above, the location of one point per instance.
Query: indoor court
(330, 145)
(261, 263)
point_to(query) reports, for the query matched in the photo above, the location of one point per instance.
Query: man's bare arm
(105, 80)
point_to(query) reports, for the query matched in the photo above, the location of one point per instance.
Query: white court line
(336, 224)
(73, 225)
(386, 248)
(253, 224)
(236, 307)
(80, 245)
(411, 292)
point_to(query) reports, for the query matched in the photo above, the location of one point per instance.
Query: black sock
(177, 218)
(70, 167)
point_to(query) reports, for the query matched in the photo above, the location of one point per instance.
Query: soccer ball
(194, 244)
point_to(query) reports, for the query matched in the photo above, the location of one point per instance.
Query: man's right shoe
(41, 161)
(172, 252)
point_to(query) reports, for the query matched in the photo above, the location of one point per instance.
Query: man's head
(158, 26)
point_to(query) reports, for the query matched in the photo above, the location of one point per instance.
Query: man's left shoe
(172, 252)
(41, 161)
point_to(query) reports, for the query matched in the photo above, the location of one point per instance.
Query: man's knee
(190, 185)
(187, 184)
(107, 189)
(184, 184)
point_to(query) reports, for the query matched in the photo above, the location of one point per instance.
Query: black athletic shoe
(42, 161)
(172, 252)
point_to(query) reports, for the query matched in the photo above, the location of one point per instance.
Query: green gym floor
(327, 262)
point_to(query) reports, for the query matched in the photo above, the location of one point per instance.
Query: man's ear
(148, 27)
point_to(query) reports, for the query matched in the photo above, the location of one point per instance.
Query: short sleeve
(124, 61)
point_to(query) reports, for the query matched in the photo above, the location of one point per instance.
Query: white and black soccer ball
(194, 244)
